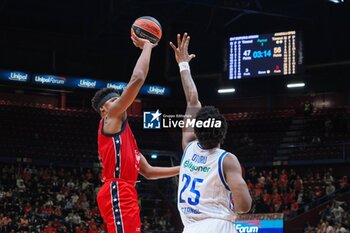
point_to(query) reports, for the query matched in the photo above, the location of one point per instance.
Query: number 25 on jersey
(193, 190)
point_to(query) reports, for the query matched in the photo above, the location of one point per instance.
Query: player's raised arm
(138, 77)
(153, 173)
(193, 104)
(233, 175)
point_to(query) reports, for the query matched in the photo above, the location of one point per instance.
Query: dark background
(92, 39)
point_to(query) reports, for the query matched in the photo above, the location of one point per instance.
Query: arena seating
(286, 135)
(70, 134)
(36, 133)
(253, 136)
(292, 190)
(63, 199)
(334, 218)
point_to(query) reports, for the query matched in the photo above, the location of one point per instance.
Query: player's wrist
(147, 44)
(184, 65)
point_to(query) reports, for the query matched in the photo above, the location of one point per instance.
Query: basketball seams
(148, 33)
(149, 26)
(150, 19)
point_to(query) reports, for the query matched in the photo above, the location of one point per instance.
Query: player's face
(110, 102)
(105, 108)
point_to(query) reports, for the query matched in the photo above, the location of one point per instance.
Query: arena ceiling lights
(226, 90)
(336, 1)
(295, 85)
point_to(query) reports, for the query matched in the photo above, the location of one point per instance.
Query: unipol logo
(119, 87)
(156, 90)
(16, 76)
(245, 228)
(48, 79)
(87, 83)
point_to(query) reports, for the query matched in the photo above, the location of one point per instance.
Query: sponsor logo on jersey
(188, 164)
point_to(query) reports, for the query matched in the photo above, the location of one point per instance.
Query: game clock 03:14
(262, 53)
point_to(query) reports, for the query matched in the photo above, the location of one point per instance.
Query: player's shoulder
(113, 126)
(230, 159)
(191, 143)
(230, 154)
(226, 153)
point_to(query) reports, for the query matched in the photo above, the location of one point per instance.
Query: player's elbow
(193, 101)
(151, 177)
(138, 76)
(244, 206)
(148, 174)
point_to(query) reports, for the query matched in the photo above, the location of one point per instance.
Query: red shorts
(118, 205)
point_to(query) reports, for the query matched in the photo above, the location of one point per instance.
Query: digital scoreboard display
(274, 54)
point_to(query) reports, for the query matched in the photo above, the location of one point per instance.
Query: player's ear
(103, 110)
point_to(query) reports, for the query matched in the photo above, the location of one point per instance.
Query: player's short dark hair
(100, 95)
(210, 137)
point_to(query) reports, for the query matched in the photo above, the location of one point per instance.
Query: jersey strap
(188, 145)
(221, 172)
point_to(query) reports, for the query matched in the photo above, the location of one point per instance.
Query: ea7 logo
(152, 120)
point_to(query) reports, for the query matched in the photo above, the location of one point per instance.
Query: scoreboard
(274, 54)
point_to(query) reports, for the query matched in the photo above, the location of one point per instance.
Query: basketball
(148, 28)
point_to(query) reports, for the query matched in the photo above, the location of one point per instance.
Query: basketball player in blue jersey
(208, 174)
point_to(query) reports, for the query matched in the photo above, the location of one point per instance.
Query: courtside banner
(259, 226)
(259, 223)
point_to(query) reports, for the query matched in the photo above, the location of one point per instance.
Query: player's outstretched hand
(181, 51)
(140, 42)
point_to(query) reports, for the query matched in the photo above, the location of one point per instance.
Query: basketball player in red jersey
(120, 157)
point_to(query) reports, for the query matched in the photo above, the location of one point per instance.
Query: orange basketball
(148, 28)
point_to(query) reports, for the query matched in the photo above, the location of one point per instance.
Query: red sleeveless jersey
(119, 154)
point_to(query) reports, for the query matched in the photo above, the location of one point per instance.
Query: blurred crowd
(61, 199)
(335, 218)
(50, 199)
(39, 199)
(291, 192)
